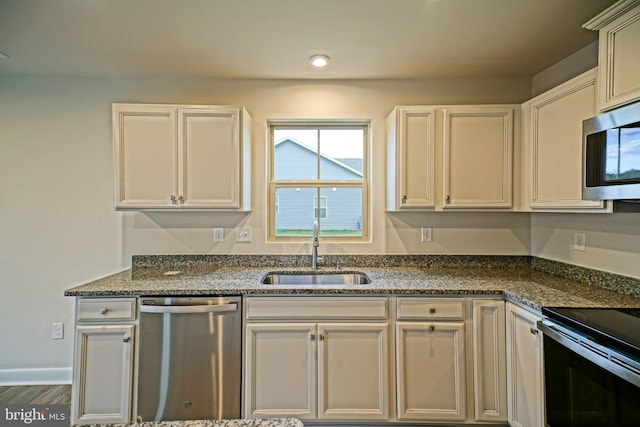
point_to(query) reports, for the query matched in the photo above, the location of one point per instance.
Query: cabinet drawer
(317, 308)
(430, 308)
(97, 309)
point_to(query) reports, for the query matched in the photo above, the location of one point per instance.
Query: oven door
(580, 387)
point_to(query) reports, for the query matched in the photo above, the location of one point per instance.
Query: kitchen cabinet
(411, 143)
(619, 53)
(430, 361)
(450, 157)
(318, 358)
(477, 157)
(552, 147)
(525, 370)
(489, 360)
(103, 361)
(182, 156)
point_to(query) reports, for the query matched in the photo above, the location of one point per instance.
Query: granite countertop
(270, 422)
(515, 280)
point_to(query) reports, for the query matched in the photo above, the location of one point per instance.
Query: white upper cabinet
(552, 147)
(450, 157)
(477, 157)
(189, 157)
(411, 158)
(619, 53)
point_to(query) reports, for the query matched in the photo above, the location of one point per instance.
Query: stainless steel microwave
(611, 155)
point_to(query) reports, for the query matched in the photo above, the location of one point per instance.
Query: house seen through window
(318, 173)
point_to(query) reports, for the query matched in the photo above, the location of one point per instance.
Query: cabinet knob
(432, 328)
(104, 311)
(432, 311)
(447, 199)
(404, 199)
(534, 331)
(322, 337)
(313, 337)
(126, 339)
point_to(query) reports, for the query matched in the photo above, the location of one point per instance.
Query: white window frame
(363, 184)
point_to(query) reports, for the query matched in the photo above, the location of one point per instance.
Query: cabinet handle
(432, 328)
(180, 200)
(534, 331)
(322, 337)
(404, 199)
(104, 311)
(447, 199)
(126, 339)
(313, 337)
(173, 199)
(432, 310)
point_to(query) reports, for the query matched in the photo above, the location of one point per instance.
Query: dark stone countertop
(514, 278)
(270, 422)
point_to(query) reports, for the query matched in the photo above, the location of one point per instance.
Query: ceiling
(273, 39)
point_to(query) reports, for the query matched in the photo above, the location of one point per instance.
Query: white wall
(58, 227)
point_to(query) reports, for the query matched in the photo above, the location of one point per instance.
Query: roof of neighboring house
(351, 164)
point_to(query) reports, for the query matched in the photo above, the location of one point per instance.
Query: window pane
(342, 152)
(295, 216)
(295, 154)
(343, 210)
(340, 211)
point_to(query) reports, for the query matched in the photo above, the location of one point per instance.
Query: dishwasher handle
(190, 309)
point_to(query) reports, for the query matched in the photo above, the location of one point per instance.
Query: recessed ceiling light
(319, 61)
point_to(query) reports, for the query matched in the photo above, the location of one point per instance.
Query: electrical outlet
(57, 331)
(580, 241)
(243, 234)
(425, 234)
(218, 235)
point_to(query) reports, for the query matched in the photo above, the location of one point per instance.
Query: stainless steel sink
(315, 278)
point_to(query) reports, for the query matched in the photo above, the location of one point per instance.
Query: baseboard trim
(36, 376)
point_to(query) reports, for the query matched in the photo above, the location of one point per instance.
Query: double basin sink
(315, 278)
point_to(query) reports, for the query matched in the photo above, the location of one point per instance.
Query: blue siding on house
(296, 205)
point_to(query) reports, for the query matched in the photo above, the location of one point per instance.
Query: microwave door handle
(189, 309)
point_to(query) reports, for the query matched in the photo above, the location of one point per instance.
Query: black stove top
(618, 328)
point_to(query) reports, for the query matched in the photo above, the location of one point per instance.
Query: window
(322, 209)
(315, 165)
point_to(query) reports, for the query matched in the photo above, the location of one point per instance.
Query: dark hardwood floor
(36, 394)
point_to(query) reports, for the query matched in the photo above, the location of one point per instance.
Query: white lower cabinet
(525, 372)
(103, 361)
(431, 371)
(489, 361)
(337, 369)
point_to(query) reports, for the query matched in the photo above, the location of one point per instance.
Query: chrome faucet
(314, 247)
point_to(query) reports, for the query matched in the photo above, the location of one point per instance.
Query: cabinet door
(145, 154)
(431, 371)
(619, 60)
(525, 375)
(477, 161)
(209, 167)
(411, 158)
(553, 126)
(280, 370)
(353, 371)
(489, 361)
(102, 380)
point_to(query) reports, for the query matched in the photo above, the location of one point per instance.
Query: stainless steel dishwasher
(190, 358)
